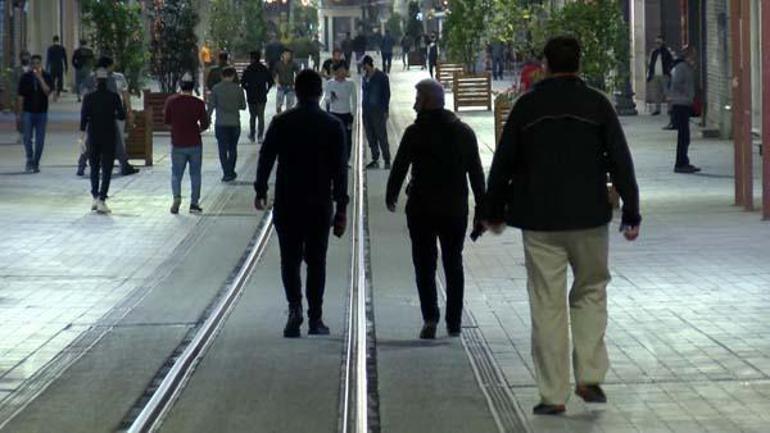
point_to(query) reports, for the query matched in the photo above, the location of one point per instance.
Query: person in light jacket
(681, 96)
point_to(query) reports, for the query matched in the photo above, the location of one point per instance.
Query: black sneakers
(454, 330)
(428, 331)
(128, 170)
(549, 409)
(387, 165)
(687, 169)
(591, 393)
(317, 327)
(195, 208)
(373, 164)
(291, 330)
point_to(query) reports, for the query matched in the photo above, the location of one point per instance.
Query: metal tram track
(358, 409)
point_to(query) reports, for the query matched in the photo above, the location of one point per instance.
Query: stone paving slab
(688, 330)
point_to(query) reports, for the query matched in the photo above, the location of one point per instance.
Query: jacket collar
(432, 116)
(564, 80)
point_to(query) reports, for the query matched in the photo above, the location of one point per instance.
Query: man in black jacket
(101, 109)
(659, 74)
(443, 155)
(257, 81)
(56, 64)
(312, 174)
(83, 61)
(548, 178)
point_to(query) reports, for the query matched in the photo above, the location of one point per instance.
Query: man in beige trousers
(548, 178)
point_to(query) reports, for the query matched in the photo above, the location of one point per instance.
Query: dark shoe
(428, 331)
(196, 209)
(373, 164)
(128, 170)
(317, 327)
(454, 330)
(252, 138)
(549, 409)
(36, 169)
(81, 172)
(591, 393)
(29, 168)
(686, 169)
(291, 330)
(669, 127)
(175, 205)
(387, 165)
(228, 178)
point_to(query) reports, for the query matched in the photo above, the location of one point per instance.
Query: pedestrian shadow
(14, 173)
(414, 344)
(713, 175)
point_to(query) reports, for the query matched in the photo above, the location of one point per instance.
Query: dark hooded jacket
(443, 154)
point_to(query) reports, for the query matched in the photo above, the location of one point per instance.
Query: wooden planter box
(445, 73)
(155, 103)
(503, 107)
(139, 141)
(472, 90)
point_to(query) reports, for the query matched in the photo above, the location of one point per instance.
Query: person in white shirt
(340, 100)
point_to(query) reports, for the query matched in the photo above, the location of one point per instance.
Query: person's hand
(260, 203)
(496, 227)
(391, 206)
(340, 223)
(630, 232)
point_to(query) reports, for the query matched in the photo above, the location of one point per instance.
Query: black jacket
(549, 171)
(257, 81)
(666, 58)
(443, 154)
(100, 110)
(56, 59)
(312, 161)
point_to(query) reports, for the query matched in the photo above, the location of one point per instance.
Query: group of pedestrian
(548, 178)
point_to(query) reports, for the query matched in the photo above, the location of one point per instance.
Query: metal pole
(765, 29)
(735, 49)
(746, 115)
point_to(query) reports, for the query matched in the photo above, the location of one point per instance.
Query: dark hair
(287, 50)
(339, 65)
(56, 39)
(229, 72)
(563, 54)
(187, 86)
(223, 56)
(308, 85)
(368, 60)
(255, 55)
(337, 50)
(36, 57)
(104, 62)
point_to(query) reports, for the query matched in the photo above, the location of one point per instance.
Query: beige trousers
(547, 256)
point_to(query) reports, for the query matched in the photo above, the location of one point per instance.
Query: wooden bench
(445, 73)
(472, 90)
(240, 66)
(155, 103)
(139, 141)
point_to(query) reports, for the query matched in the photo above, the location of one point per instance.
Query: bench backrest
(445, 72)
(472, 90)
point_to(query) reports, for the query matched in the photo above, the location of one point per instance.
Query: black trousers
(376, 128)
(387, 61)
(681, 119)
(303, 235)
(347, 120)
(426, 231)
(101, 155)
(58, 80)
(257, 112)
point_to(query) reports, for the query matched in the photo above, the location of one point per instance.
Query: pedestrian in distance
(376, 107)
(406, 46)
(432, 50)
(359, 46)
(285, 73)
(315, 53)
(32, 110)
(658, 74)
(187, 117)
(347, 48)
(257, 81)
(25, 59)
(497, 51)
(340, 100)
(311, 183)
(83, 60)
(215, 73)
(227, 101)
(116, 83)
(273, 51)
(56, 65)
(443, 155)
(386, 51)
(681, 96)
(548, 178)
(327, 70)
(100, 112)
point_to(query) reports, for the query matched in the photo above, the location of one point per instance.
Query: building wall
(718, 74)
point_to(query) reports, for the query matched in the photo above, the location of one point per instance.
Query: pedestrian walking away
(376, 107)
(99, 114)
(347, 48)
(548, 178)
(682, 96)
(32, 110)
(406, 45)
(215, 73)
(359, 46)
(116, 83)
(658, 74)
(497, 50)
(340, 100)
(56, 65)
(432, 54)
(311, 178)
(187, 117)
(285, 72)
(273, 51)
(83, 60)
(386, 50)
(443, 155)
(25, 60)
(327, 69)
(227, 101)
(257, 81)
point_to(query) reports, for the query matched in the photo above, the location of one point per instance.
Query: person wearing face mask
(32, 110)
(443, 155)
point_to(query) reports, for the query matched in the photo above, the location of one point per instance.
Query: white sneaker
(95, 204)
(101, 207)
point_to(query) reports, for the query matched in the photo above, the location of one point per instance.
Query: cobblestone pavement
(688, 332)
(62, 267)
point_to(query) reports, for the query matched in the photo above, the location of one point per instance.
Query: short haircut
(337, 50)
(368, 60)
(287, 50)
(187, 86)
(255, 55)
(340, 65)
(104, 62)
(229, 72)
(433, 91)
(36, 57)
(563, 54)
(308, 85)
(84, 42)
(56, 39)
(223, 56)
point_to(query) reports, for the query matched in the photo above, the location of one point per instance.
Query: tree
(305, 20)
(116, 29)
(465, 30)
(517, 24)
(174, 46)
(253, 28)
(393, 25)
(225, 24)
(413, 26)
